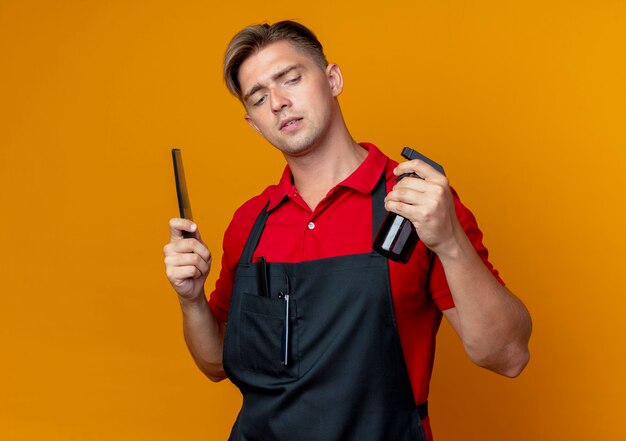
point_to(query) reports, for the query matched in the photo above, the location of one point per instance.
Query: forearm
(204, 336)
(494, 324)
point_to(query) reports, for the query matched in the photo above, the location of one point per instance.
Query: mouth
(289, 122)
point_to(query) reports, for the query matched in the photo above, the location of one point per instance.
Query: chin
(297, 147)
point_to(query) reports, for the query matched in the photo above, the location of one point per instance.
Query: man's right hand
(187, 261)
(187, 265)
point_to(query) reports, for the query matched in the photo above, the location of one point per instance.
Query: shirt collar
(363, 179)
(366, 176)
(279, 192)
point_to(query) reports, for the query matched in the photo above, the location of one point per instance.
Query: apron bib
(314, 349)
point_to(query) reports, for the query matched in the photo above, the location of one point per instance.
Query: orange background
(523, 103)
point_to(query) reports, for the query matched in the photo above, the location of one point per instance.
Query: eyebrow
(275, 77)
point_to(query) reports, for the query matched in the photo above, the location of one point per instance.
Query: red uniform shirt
(341, 224)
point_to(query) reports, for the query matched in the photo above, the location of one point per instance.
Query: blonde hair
(252, 39)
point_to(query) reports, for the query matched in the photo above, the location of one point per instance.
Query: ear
(335, 79)
(252, 124)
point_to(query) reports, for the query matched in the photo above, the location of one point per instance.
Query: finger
(177, 274)
(421, 168)
(406, 195)
(203, 251)
(415, 183)
(184, 246)
(178, 225)
(189, 259)
(433, 200)
(427, 189)
(408, 211)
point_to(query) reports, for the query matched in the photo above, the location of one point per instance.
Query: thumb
(181, 228)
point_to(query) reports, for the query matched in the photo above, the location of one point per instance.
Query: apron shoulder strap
(378, 205)
(254, 236)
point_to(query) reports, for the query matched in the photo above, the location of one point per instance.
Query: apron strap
(255, 235)
(378, 205)
(378, 214)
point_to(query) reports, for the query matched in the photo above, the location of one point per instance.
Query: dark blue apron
(313, 347)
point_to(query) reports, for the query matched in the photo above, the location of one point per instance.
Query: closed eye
(260, 101)
(294, 80)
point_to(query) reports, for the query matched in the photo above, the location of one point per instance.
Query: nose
(278, 100)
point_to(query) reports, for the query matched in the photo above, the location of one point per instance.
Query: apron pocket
(262, 330)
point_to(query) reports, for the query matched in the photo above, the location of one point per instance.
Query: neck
(325, 165)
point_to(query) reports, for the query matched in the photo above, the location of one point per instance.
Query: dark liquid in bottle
(396, 238)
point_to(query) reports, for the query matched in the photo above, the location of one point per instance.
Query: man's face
(289, 99)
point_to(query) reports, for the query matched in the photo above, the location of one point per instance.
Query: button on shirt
(341, 224)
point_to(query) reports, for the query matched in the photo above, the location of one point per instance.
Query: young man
(326, 339)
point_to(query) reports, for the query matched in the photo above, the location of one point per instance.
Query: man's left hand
(427, 203)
